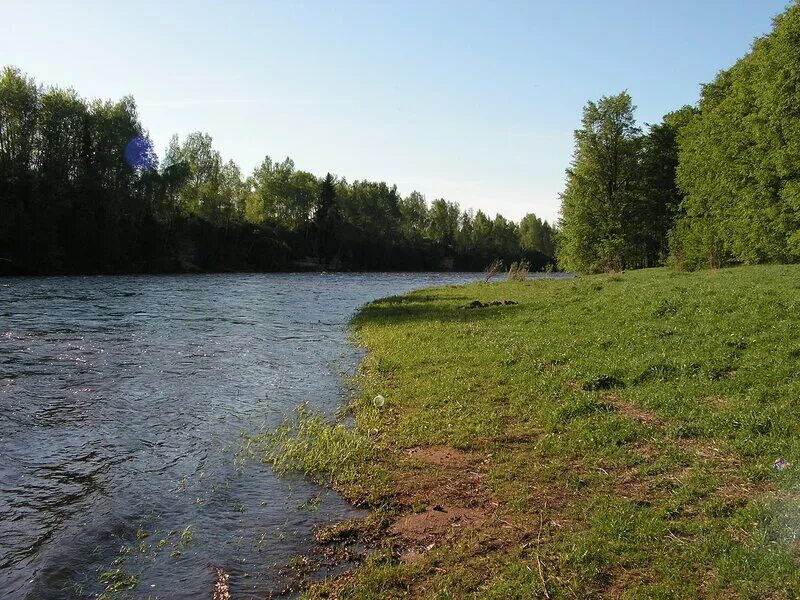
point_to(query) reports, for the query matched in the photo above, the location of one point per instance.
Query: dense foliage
(621, 197)
(597, 209)
(83, 191)
(740, 159)
(709, 186)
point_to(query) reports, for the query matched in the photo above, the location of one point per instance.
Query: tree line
(711, 185)
(83, 191)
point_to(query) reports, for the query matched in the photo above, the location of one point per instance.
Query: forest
(711, 185)
(82, 190)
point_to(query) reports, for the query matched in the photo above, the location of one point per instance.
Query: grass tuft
(603, 382)
(309, 444)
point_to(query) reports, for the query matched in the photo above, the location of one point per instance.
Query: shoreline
(600, 438)
(202, 273)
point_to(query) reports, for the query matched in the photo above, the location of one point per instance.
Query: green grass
(627, 426)
(308, 444)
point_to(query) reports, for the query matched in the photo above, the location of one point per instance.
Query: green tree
(19, 107)
(443, 223)
(233, 193)
(661, 195)
(536, 235)
(282, 195)
(464, 235)
(201, 165)
(413, 216)
(327, 221)
(603, 190)
(505, 238)
(482, 238)
(739, 161)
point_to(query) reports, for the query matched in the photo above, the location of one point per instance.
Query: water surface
(123, 401)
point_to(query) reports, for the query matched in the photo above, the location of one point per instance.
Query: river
(123, 401)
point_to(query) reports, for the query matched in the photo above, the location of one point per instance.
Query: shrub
(518, 271)
(492, 269)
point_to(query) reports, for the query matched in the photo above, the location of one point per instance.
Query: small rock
(479, 304)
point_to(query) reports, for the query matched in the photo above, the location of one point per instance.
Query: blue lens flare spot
(139, 154)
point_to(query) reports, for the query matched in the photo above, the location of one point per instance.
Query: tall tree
(443, 223)
(505, 238)
(327, 220)
(661, 195)
(536, 235)
(482, 238)
(603, 189)
(202, 164)
(19, 103)
(413, 216)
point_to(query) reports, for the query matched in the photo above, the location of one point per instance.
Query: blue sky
(475, 102)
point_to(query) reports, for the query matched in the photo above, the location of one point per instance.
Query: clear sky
(475, 102)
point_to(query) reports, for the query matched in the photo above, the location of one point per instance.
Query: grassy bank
(608, 436)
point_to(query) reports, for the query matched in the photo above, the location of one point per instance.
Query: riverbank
(606, 436)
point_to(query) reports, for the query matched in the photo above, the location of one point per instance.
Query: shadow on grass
(413, 308)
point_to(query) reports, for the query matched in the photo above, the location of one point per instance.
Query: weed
(118, 580)
(658, 372)
(186, 536)
(667, 307)
(518, 271)
(311, 445)
(492, 269)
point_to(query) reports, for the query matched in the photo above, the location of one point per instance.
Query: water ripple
(122, 403)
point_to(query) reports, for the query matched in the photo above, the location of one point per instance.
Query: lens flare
(139, 154)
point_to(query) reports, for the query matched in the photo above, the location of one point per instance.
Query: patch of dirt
(639, 414)
(632, 411)
(440, 475)
(735, 488)
(717, 400)
(631, 484)
(711, 453)
(436, 522)
(443, 456)
(737, 492)
(623, 581)
(444, 494)
(520, 439)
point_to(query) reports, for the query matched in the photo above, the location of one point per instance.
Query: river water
(123, 401)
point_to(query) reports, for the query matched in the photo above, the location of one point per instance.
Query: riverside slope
(611, 436)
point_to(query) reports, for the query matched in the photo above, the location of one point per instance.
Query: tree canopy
(711, 185)
(83, 191)
(600, 202)
(739, 161)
